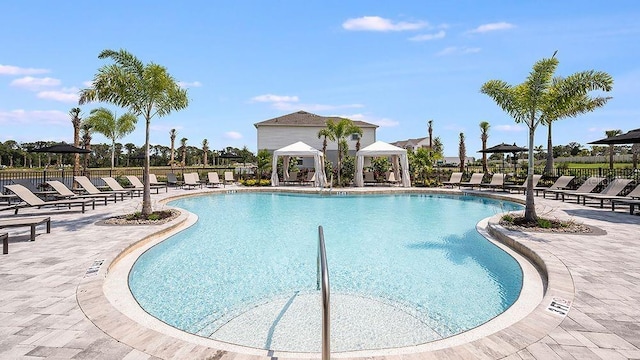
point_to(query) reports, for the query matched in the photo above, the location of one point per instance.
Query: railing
(323, 284)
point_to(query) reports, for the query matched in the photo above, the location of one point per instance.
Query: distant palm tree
(105, 122)
(326, 134)
(205, 151)
(86, 141)
(339, 131)
(76, 121)
(172, 135)
(430, 129)
(183, 147)
(612, 133)
(462, 152)
(484, 135)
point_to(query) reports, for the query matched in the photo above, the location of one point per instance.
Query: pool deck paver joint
(40, 317)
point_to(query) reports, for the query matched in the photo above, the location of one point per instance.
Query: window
(355, 137)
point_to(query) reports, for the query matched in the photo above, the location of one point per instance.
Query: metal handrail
(322, 283)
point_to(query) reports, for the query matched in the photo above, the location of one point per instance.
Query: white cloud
(88, 83)
(382, 122)
(274, 98)
(509, 128)
(32, 83)
(186, 84)
(31, 117)
(376, 23)
(492, 27)
(453, 50)
(68, 95)
(14, 70)
(426, 37)
(232, 135)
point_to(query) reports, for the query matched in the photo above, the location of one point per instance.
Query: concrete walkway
(42, 283)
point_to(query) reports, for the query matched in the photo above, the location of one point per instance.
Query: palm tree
(575, 102)
(86, 141)
(76, 121)
(484, 135)
(339, 131)
(462, 152)
(430, 130)
(612, 133)
(172, 135)
(635, 149)
(205, 150)
(105, 122)
(534, 101)
(146, 90)
(183, 148)
(131, 147)
(326, 134)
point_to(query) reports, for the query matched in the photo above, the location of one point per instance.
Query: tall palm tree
(430, 130)
(205, 151)
(575, 102)
(326, 134)
(534, 101)
(172, 135)
(86, 141)
(635, 150)
(105, 122)
(339, 131)
(183, 148)
(484, 136)
(76, 121)
(612, 133)
(462, 152)
(146, 90)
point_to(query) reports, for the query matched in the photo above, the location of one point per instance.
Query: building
(413, 144)
(279, 132)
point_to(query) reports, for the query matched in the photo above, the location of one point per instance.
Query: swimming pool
(405, 269)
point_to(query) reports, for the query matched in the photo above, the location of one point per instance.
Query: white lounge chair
(476, 180)
(137, 184)
(65, 193)
(88, 187)
(228, 177)
(455, 179)
(587, 187)
(613, 189)
(497, 181)
(32, 200)
(115, 186)
(560, 184)
(213, 179)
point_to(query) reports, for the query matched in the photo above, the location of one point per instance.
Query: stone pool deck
(46, 287)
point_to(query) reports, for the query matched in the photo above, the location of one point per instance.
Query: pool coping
(528, 330)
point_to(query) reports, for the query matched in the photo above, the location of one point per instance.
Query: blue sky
(397, 64)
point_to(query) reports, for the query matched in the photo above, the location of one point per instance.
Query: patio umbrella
(630, 137)
(504, 148)
(62, 148)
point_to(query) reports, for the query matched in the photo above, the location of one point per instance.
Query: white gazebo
(298, 149)
(380, 148)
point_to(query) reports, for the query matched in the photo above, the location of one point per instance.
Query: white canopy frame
(399, 161)
(298, 149)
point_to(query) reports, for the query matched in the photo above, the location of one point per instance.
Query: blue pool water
(252, 254)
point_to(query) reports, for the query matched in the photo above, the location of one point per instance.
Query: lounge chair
(190, 181)
(587, 187)
(153, 180)
(33, 188)
(631, 199)
(88, 187)
(455, 179)
(213, 179)
(115, 186)
(310, 179)
(476, 180)
(5, 243)
(497, 181)
(32, 200)
(228, 177)
(172, 180)
(561, 183)
(369, 177)
(523, 187)
(291, 177)
(27, 221)
(137, 184)
(612, 190)
(65, 193)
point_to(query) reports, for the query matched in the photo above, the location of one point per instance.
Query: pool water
(404, 270)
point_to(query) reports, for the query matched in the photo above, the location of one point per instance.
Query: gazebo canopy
(299, 149)
(381, 148)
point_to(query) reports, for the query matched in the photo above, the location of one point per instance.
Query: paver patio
(40, 315)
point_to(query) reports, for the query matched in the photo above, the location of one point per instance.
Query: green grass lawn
(598, 165)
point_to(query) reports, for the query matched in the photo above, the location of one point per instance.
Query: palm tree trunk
(611, 157)
(548, 167)
(113, 153)
(530, 208)
(146, 194)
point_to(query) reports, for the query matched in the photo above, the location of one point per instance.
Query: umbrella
(62, 148)
(504, 148)
(630, 137)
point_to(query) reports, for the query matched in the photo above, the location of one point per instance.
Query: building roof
(409, 142)
(303, 118)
